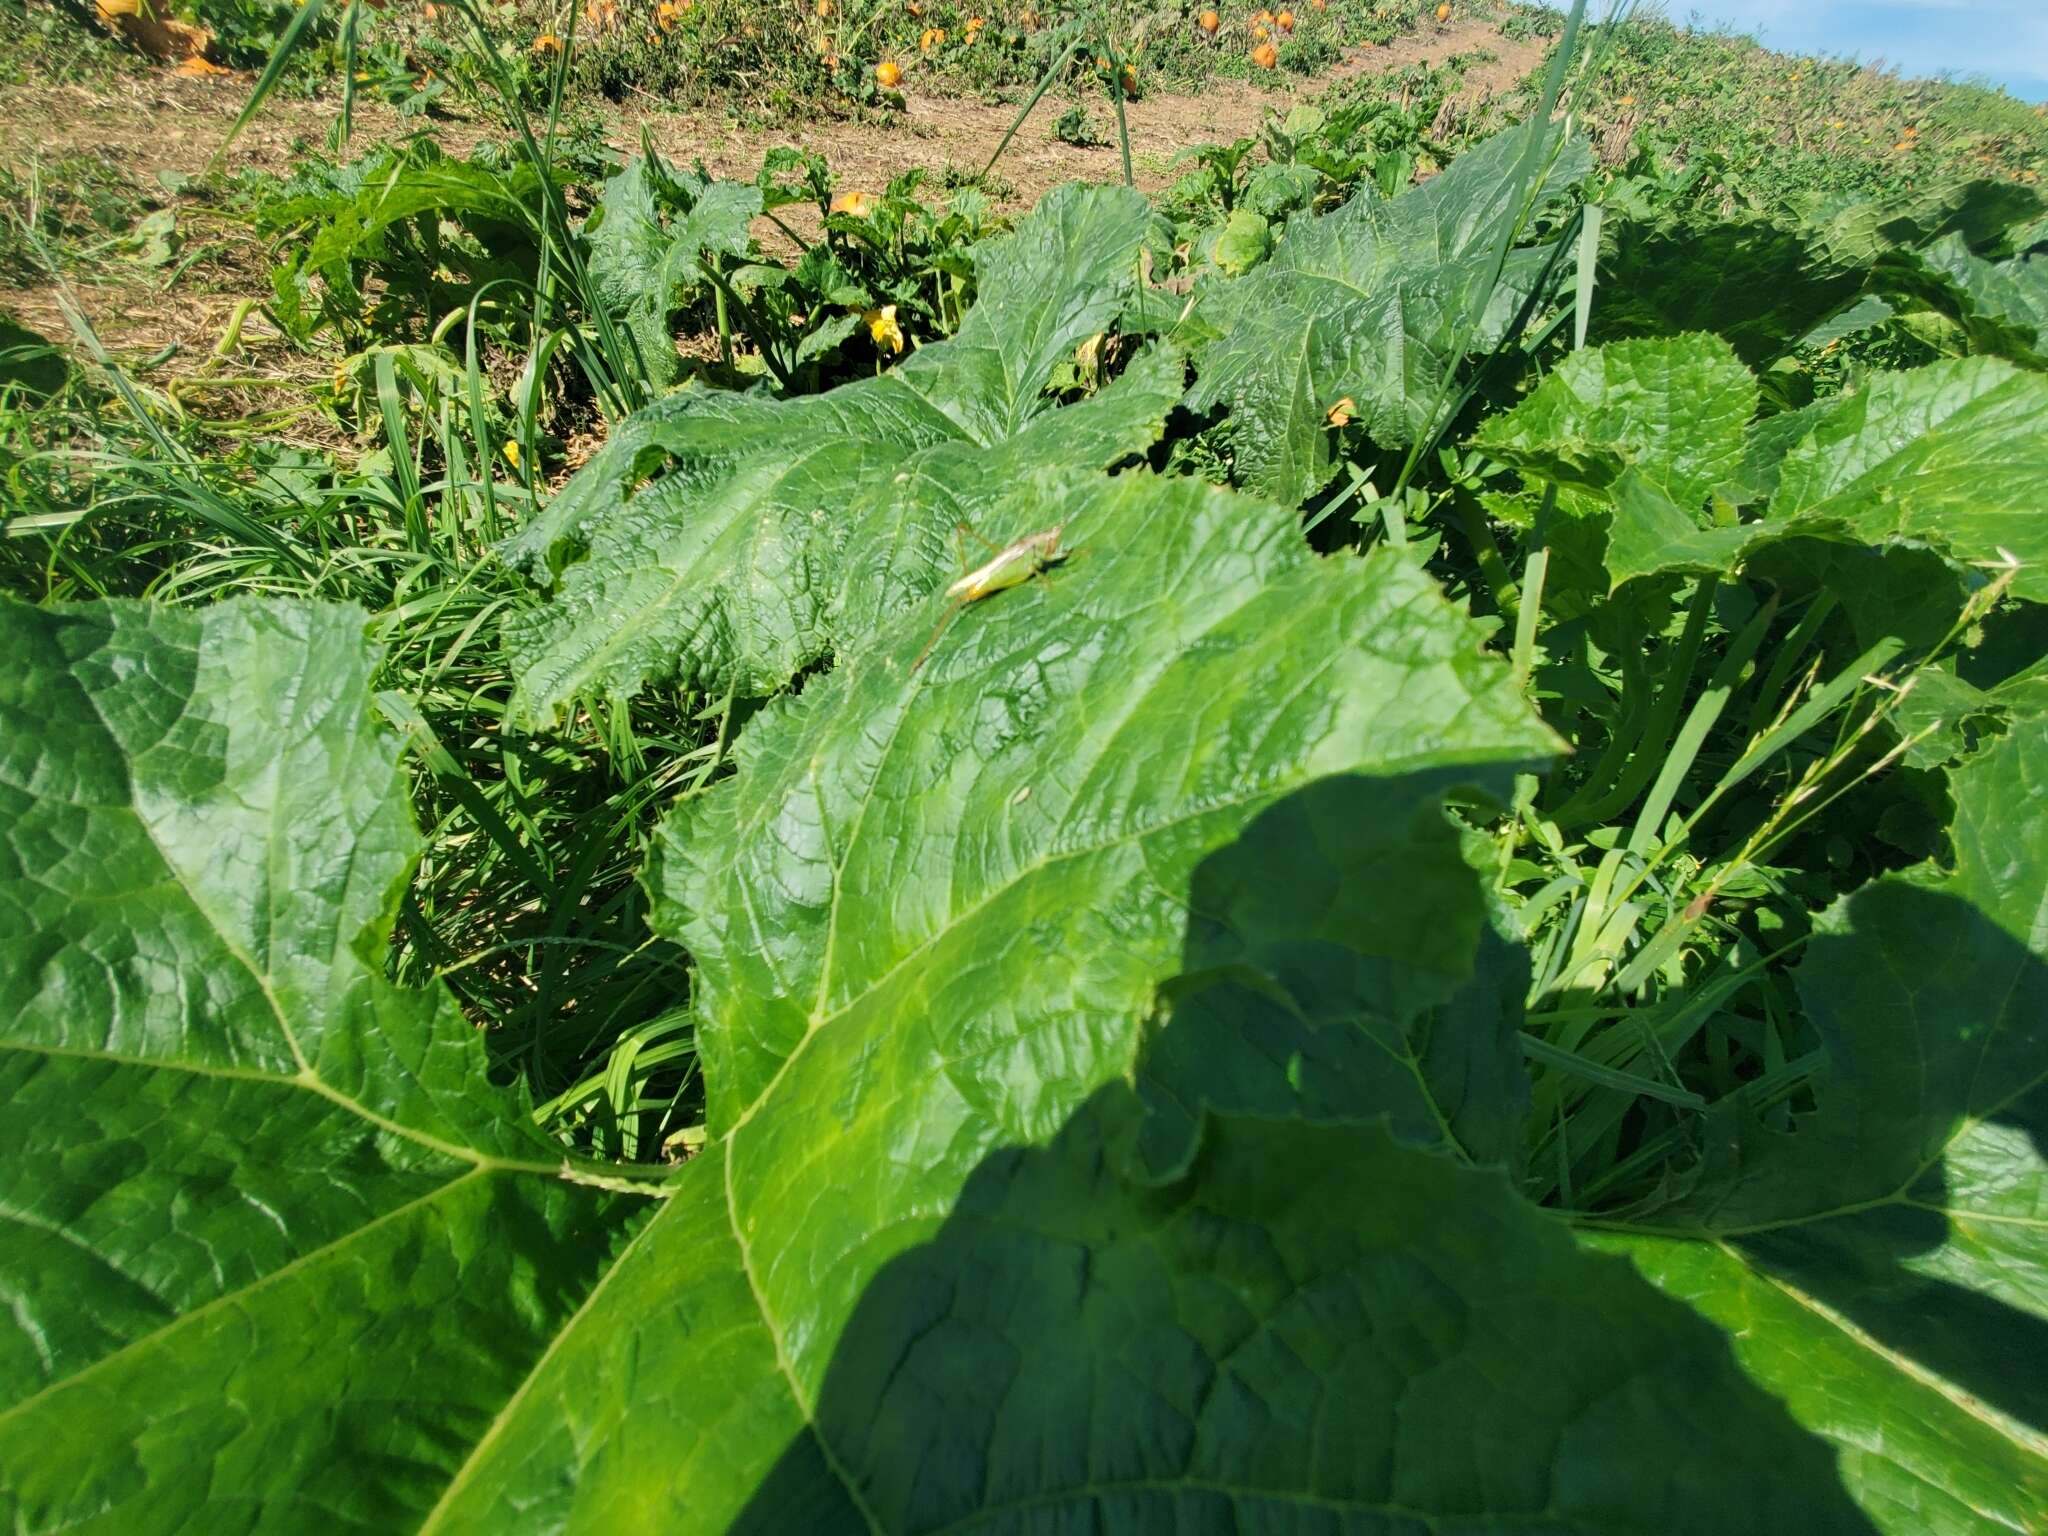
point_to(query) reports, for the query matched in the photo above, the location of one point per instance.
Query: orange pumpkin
(1443, 12)
(1209, 21)
(889, 74)
(1284, 21)
(1266, 56)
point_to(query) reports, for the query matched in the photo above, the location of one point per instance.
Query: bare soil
(156, 122)
(941, 133)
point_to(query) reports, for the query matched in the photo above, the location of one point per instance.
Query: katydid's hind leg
(945, 619)
(988, 544)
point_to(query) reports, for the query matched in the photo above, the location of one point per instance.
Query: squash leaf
(1939, 458)
(944, 1268)
(1882, 1264)
(256, 1194)
(992, 1232)
(736, 566)
(651, 229)
(1370, 304)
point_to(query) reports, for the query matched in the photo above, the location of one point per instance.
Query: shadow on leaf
(1276, 1324)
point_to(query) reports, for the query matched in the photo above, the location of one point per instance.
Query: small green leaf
(651, 229)
(1242, 243)
(1673, 411)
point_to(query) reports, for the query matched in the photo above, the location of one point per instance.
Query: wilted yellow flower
(1341, 413)
(883, 327)
(547, 42)
(859, 204)
(933, 37)
(512, 452)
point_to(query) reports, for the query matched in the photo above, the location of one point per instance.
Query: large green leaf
(1317, 1329)
(1377, 304)
(943, 1269)
(256, 1195)
(1883, 1265)
(1139, 685)
(1863, 231)
(974, 937)
(431, 227)
(774, 521)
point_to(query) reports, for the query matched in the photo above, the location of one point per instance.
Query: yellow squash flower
(883, 327)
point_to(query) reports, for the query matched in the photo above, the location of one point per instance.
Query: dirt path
(941, 133)
(153, 125)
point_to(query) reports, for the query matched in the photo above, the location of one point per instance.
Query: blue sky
(2005, 41)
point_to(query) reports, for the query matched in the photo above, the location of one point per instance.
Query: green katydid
(1012, 565)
